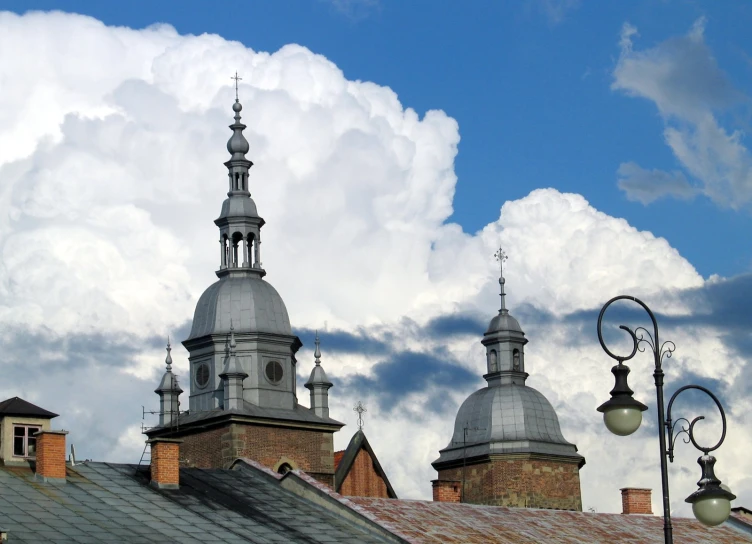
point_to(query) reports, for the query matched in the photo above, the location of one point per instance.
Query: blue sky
(528, 82)
(111, 175)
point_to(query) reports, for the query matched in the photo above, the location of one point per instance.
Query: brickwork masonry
(311, 451)
(522, 481)
(363, 480)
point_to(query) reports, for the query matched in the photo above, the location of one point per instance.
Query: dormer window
(24, 441)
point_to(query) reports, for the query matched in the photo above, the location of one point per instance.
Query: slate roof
(103, 502)
(16, 406)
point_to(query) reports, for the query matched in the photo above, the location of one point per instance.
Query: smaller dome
(318, 376)
(502, 322)
(238, 206)
(238, 144)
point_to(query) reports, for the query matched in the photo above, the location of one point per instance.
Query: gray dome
(503, 321)
(514, 414)
(251, 303)
(238, 207)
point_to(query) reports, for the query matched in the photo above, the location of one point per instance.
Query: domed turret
(507, 447)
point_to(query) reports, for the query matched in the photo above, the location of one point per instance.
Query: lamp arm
(690, 429)
(658, 352)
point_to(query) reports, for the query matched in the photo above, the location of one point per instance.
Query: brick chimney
(165, 462)
(447, 490)
(50, 456)
(635, 500)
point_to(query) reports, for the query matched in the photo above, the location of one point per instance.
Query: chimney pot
(165, 462)
(636, 500)
(50, 456)
(447, 490)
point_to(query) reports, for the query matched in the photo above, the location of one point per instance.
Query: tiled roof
(338, 455)
(16, 406)
(422, 522)
(104, 502)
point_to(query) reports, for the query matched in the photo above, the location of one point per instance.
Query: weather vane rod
(501, 257)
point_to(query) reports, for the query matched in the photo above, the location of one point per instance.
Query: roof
(359, 442)
(248, 302)
(506, 418)
(16, 406)
(104, 502)
(422, 522)
(299, 414)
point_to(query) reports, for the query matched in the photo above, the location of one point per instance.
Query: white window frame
(29, 431)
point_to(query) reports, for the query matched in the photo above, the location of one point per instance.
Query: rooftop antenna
(464, 452)
(360, 409)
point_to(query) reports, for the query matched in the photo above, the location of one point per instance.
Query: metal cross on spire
(236, 78)
(360, 409)
(501, 257)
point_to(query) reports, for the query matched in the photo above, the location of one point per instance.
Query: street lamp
(622, 414)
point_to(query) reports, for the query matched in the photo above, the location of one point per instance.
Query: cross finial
(236, 78)
(360, 409)
(501, 257)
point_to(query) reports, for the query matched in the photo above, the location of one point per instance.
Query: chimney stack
(50, 456)
(165, 462)
(447, 490)
(635, 500)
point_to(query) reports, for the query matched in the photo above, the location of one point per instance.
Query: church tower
(243, 400)
(507, 448)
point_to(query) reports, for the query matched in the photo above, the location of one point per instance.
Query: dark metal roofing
(104, 502)
(16, 406)
(359, 442)
(299, 414)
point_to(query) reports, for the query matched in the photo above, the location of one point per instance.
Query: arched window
(516, 359)
(493, 361)
(284, 468)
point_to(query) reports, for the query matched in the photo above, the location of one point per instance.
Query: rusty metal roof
(423, 522)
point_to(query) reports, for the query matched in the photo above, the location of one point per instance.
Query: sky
(396, 146)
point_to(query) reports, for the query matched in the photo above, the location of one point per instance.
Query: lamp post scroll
(622, 415)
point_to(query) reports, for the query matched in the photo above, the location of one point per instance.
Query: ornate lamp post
(622, 414)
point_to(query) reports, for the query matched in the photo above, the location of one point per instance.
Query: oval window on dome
(202, 375)
(274, 371)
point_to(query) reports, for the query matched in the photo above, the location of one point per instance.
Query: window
(274, 371)
(202, 375)
(284, 468)
(24, 441)
(516, 359)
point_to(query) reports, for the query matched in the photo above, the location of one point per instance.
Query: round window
(202, 375)
(274, 371)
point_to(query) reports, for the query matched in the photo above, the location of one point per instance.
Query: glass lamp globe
(622, 420)
(712, 511)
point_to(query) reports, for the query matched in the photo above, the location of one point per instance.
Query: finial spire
(233, 345)
(360, 409)
(168, 359)
(317, 352)
(236, 78)
(501, 257)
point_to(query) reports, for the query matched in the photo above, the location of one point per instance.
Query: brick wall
(524, 480)
(363, 480)
(446, 490)
(636, 500)
(50, 456)
(311, 451)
